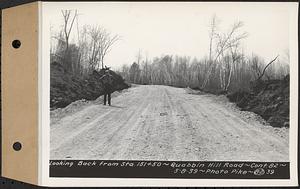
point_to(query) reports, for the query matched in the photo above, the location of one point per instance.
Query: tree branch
(267, 67)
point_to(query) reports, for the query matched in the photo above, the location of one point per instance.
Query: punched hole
(16, 44)
(17, 146)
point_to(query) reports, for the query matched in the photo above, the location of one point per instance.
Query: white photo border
(44, 110)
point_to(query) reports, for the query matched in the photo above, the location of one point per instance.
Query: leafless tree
(69, 19)
(225, 41)
(139, 57)
(101, 43)
(212, 33)
(68, 24)
(256, 65)
(106, 42)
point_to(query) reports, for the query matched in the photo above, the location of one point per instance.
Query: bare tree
(107, 40)
(234, 46)
(68, 24)
(94, 34)
(235, 55)
(212, 33)
(83, 44)
(256, 65)
(101, 43)
(182, 72)
(67, 28)
(225, 42)
(139, 56)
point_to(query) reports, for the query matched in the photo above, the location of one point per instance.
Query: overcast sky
(179, 28)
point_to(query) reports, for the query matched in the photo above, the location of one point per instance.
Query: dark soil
(66, 87)
(269, 99)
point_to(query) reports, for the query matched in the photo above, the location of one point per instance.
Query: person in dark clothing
(107, 80)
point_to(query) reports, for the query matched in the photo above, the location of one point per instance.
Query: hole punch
(17, 146)
(16, 44)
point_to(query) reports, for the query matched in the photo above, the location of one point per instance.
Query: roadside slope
(67, 87)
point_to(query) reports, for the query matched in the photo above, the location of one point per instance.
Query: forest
(87, 54)
(232, 72)
(226, 68)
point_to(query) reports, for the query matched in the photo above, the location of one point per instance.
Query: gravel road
(164, 123)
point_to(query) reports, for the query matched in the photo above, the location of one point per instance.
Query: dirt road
(164, 123)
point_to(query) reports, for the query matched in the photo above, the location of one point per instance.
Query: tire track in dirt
(115, 142)
(102, 131)
(241, 137)
(188, 146)
(152, 141)
(164, 123)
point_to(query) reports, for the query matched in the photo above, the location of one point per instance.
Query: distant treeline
(226, 67)
(231, 73)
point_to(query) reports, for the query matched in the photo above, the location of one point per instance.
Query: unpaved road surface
(164, 123)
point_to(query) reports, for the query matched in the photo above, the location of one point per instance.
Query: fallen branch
(267, 67)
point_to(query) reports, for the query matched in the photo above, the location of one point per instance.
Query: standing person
(107, 80)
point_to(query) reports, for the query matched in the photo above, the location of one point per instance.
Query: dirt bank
(66, 87)
(269, 99)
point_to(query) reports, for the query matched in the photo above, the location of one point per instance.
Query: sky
(182, 29)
